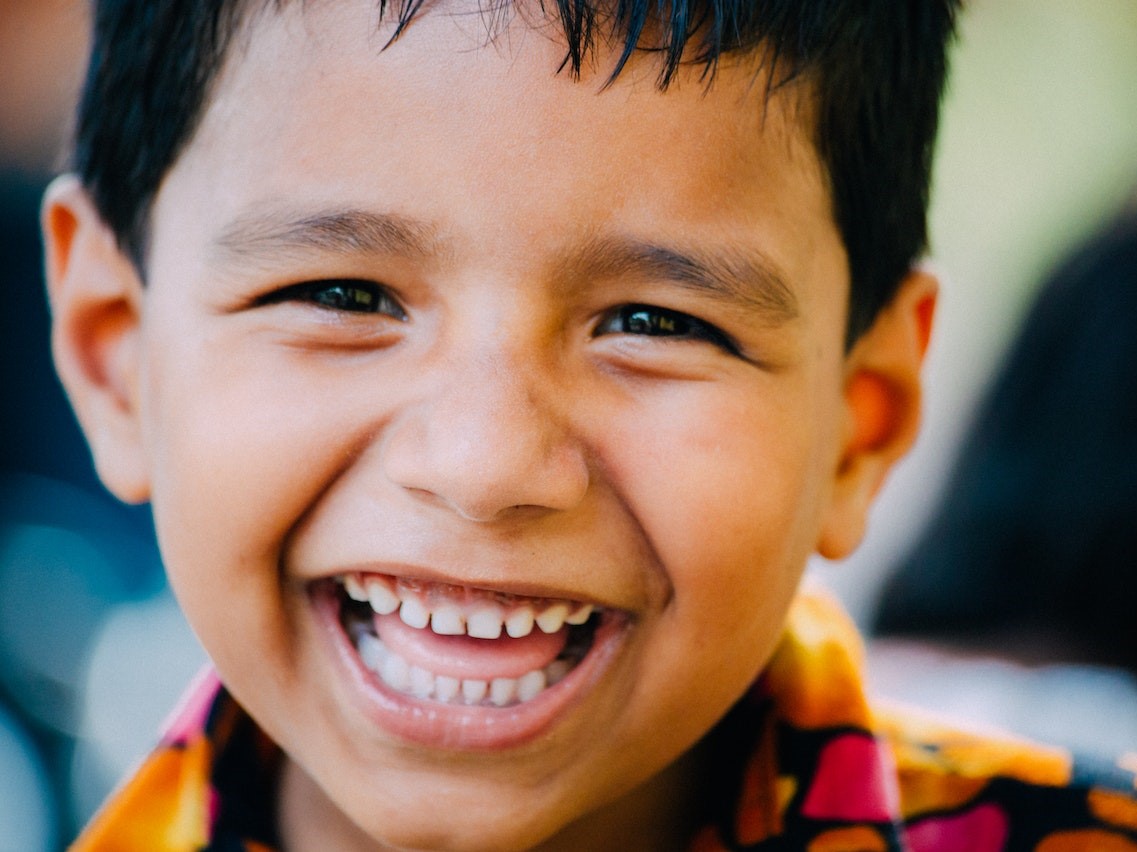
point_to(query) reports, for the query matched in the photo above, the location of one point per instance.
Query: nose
(490, 437)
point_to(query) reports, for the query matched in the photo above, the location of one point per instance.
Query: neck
(661, 814)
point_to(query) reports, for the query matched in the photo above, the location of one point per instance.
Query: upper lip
(474, 581)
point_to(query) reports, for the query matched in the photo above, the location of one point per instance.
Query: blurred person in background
(37, 39)
(1032, 558)
(69, 553)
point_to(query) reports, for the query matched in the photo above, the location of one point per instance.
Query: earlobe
(882, 396)
(96, 295)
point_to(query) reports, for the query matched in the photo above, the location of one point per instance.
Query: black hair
(876, 67)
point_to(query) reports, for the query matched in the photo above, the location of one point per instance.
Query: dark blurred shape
(1033, 553)
(40, 433)
(42, 48)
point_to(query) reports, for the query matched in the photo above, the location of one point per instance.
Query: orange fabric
(164, 808)
(827, 771)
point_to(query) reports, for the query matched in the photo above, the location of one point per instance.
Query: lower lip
(458, 727)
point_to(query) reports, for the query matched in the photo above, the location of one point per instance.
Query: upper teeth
(482, 618)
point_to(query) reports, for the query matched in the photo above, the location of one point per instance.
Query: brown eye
(353, 296)
(661, 322)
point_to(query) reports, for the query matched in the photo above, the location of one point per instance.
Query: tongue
(467, 657)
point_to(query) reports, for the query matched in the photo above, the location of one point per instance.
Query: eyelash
(652, 321)
(367, 297)
(349, 295)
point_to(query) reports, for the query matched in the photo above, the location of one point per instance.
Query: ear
(96, 303)
(882, 409)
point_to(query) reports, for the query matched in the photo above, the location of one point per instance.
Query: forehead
(316, 106)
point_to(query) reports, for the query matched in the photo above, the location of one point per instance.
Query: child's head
(873, 74)
(441, 320)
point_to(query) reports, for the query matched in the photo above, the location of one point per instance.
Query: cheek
(239, 455)
(724, 479)
(730, 497)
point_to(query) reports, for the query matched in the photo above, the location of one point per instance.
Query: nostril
(517, 512)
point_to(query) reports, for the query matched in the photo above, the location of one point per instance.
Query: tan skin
(497, 424)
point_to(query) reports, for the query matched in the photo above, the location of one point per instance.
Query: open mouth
(455, 645)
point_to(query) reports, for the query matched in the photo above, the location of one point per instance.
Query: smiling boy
(491, 395)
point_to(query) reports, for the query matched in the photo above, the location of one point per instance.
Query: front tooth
(473, 691)
(382, 597)
(553, 619)
(484, 622)
(396, 673)
(448, 620)
(530, 685)
(520, 622)
(414, 613)
(503, 690)
(355, 588)
(446, 688)
(422, 682)
(581, 615)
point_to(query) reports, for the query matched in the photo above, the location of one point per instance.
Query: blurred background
(998, 573)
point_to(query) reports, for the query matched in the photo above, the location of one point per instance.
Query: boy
(492, 372)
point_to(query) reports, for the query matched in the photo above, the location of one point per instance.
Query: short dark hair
(877, 69)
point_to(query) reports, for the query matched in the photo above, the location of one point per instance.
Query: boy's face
(491, 417)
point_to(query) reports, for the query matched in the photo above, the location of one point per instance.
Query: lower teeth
(401, 676)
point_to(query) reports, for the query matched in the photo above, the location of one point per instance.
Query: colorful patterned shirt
(807, 763)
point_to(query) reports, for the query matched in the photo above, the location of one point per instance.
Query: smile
(452, 645)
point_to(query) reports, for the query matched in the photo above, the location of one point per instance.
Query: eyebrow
(731, 274)
(351, 231)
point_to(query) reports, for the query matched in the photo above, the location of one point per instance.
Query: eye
(661, 322)
(341, 294)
